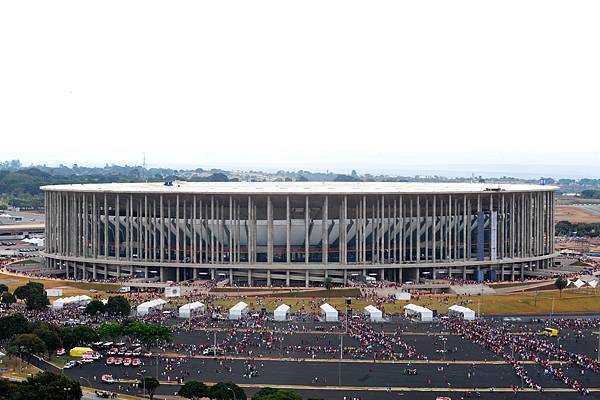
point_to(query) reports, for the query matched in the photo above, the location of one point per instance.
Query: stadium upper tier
(297, 188)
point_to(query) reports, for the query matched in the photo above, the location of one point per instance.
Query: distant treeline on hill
(566, 228)
(590, 194)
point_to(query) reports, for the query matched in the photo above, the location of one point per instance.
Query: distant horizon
(488, 171)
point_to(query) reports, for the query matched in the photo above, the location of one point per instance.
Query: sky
(320, 85)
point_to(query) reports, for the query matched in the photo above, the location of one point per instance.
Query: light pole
(232, 391)
(143, 379)
(598, 356)
(83, 378)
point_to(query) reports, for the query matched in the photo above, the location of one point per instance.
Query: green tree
(50, 386)
(50, 338)
(148, 334)
(560, 284)
(194, 390)
(226, 390)
(110, 330)
(94, 307)
(12, 325)
(8, 298)
(150, 384)
(3, 288)
(33, 294)
(328, 283)
(26, 343)
(118, 306)
(8, 390)
(275, 394)
(78, 336)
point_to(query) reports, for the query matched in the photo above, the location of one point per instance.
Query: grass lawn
(71, 288)
(522, 303)
(12, 366)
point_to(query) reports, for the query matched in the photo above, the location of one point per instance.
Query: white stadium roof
(182, 187)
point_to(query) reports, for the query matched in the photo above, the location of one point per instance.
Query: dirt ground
(576, 214)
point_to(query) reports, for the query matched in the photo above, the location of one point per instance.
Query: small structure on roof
(73, 300)
(238, 311)
(329, 313)
(462, 312)
(281, 312)
(374, 313)
(190, 309)
(150, 306)
(422, 313)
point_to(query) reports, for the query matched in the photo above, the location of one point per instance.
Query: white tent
(149, 306)
(579, 283)
(593, 283)
(73, 300)
(463, 312)
(405, 296)
(189, 309)
(281, 312)
(373, 313)
(54, 292)
(329, 313)
(424, 314)
(238, 311)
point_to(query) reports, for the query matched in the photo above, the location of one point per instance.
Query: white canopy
(280, 313)
(464, 312)
(425, 314)
(329, 313)
(579, 283)
(149, 306)
(189, 309)
(373, 313)
(238, 311)
(78, 300)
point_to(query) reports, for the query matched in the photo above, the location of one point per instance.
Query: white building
(329, 313)
(150, 306)
(54, 292)
(374, 314)
(190, 309)
(421, 313)
(281, 312)
(238, 311)
(462, 312)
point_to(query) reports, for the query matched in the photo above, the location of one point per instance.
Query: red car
(110, 361)
(127, 362)
(136, 362)
(118, 361)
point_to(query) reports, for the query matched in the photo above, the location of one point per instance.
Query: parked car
(136, 362)
(110, 361)
(71, 364)
(106, 378)
(127, 362)
(61, 352)
(118, 361)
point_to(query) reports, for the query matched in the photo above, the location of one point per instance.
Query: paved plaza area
(393, 360)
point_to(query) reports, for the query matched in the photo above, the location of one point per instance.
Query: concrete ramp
(472, 290)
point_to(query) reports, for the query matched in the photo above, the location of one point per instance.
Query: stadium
(299, 233)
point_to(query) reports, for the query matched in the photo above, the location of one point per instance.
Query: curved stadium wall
(298, 234)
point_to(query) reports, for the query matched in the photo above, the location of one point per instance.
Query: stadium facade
(297, 233)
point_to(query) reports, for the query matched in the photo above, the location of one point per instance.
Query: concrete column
(94, 272)
(268, 277)
(522, 271)
(162, 273)
(269, 231)
(212, 273)
(382, 274)
(306, 234)
(146, 272)
(288, 232)
(306, 279)
(105, 271)
(249, 277)
(400, 275)
(325, 234)
(464, 273)
(287, 277)
(231, 276)
(345, 277)
(418, 275)
(118, 271)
